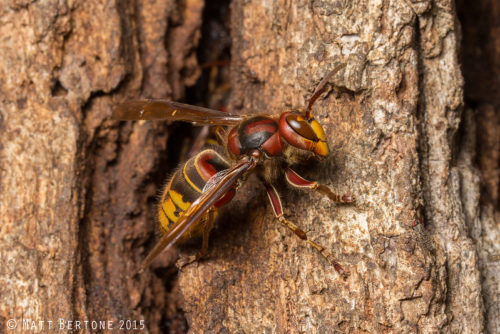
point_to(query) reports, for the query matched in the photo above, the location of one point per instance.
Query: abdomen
(185, 186)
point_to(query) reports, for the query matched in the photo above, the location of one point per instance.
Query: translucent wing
(214, 180)
(168, 110)
(199, 207)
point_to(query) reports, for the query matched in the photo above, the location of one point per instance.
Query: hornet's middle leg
(278, 212)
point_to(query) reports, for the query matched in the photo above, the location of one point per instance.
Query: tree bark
(78, 190)
(481, 66)
(392, 122)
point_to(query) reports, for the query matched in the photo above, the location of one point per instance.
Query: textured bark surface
(481, 64)
(78, 191)
(392, 121)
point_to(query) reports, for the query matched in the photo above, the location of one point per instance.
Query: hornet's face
(303, 133)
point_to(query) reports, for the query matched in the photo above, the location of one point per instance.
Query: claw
(348, 199)
(337, 267)
(340, 270)
(185, 260)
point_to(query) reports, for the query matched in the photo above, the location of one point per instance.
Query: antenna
(320, 89)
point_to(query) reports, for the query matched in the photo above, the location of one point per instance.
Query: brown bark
(481, 66)
(392, 123)
(78, 191)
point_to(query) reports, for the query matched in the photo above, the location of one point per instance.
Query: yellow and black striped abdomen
(185, 186)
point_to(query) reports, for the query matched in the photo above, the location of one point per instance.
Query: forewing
(168, 110)
(198, 208)
(214, 180)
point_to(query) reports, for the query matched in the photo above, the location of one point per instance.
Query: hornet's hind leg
(207, 227)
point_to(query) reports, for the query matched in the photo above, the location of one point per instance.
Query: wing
(168, 110)
(198, 208)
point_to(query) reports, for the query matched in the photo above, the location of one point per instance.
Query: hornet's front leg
(275, 200)
(298, 181)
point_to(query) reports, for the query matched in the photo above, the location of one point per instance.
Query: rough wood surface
(78, 191)
(392, 123)
(481, 66)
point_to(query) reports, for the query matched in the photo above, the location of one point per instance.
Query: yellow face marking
(321, 148)
(177, 199)
(318, 130)
(170, 209)
(189, 181)
(174, 112)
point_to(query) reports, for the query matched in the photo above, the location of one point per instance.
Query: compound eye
(300, 125)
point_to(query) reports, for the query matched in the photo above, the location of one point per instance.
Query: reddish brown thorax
(260, 132)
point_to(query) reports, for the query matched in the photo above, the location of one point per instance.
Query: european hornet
(261, 144)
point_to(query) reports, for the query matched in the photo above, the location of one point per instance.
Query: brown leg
(278, 212)
(298, 181)
(207, 227)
